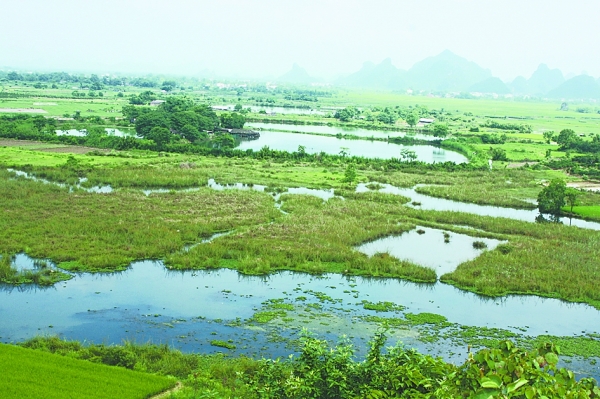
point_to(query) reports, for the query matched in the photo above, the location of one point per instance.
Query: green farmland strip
(32, 374)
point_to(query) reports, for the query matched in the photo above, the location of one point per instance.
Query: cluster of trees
(179, 118)
(568, 140)
(508, 126)
(144, 98)
(92, 82)
(493, 138)
(25, 127)
(389, 115)
(82, 94)
(555, 196)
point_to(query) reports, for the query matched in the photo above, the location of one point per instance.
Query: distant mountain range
(297, 75)
(448, 72)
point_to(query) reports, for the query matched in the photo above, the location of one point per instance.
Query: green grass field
(587, 212)
(33, 374)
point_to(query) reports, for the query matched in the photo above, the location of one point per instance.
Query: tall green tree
(160, 135)
(440, 130)
(571, 196)
(552, 197)
(149, 120)
(549, 136)
(566, 138)
(232, 120)
(412, 119)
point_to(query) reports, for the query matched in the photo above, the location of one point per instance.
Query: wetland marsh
(237, 250)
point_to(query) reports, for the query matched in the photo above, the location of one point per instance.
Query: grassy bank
(35, 374)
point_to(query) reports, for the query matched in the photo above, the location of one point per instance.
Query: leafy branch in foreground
(502, 372)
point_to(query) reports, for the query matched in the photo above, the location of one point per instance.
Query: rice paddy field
(36, 374)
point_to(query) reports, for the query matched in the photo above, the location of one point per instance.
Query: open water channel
(337, 130)
(286, 141)
(190, 309)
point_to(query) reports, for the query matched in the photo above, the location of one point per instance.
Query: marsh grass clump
(7, 271)
(479, 245)
(504, 248)
(382, 306)
(374, 186)
(223, 344)
(446, 237)
(41, 275)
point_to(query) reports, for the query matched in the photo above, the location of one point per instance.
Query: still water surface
(333, 130)
(285, 141)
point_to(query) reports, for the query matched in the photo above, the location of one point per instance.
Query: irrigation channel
(263, 315)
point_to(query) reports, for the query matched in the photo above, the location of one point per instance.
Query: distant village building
(156, 103)
(426, 121)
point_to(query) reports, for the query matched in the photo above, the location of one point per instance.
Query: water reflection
(340, 130)
(284, 141)
(437, 249)
(188, 309)
(427, 202)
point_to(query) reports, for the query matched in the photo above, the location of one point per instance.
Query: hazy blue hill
(296, 75)
(579, 87)
(490, 85)
(519, 85)
(381, 76)
(445, 72)
(544, 79)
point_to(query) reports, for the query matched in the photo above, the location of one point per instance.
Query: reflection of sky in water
(148, 303)
(441, 204)
(333, 130)
(330, 145)
(148, 288)
(429, 249)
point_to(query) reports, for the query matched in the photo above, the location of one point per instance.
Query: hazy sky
(263, 38)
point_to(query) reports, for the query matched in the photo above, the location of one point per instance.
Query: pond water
(189, 309)
(440, 204)
(429, 247)
(93, 189)
(284, 141)
(333, 130)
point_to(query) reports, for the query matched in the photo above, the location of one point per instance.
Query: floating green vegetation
(223, 344)
(383, 306)
(426, 318)
(585, 346)
(278, 303)
(322, 297)
(266, 316)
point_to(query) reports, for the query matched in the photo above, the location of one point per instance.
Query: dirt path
(585, 185)
(168, 392)
(49, 147)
